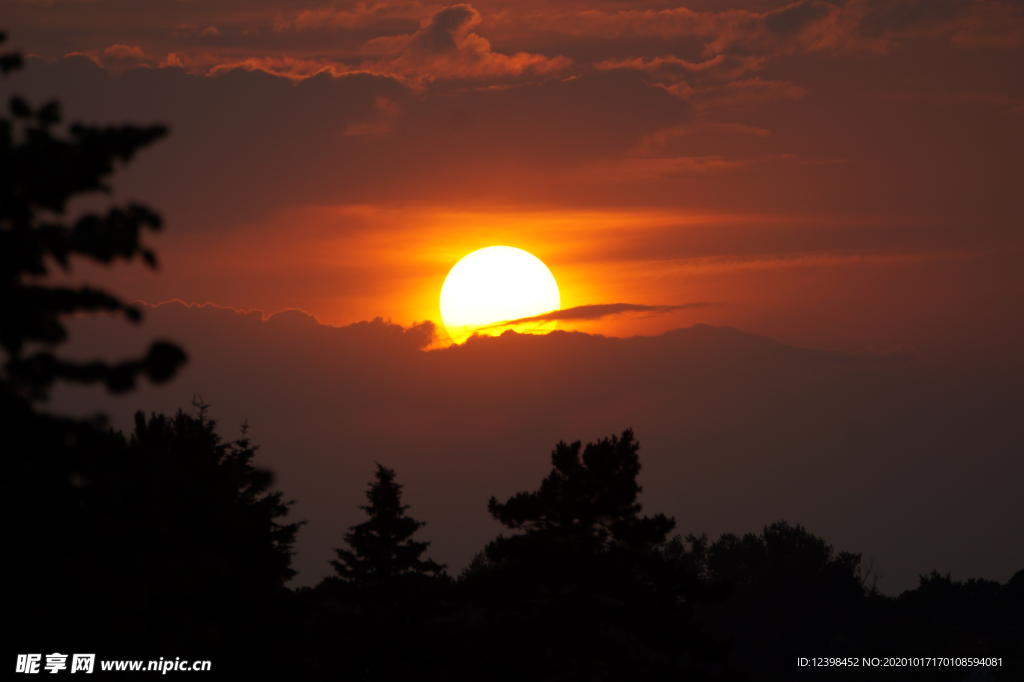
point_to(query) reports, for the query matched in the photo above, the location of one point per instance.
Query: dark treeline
(170, 542)
(588, 589)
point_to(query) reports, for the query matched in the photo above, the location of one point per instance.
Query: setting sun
(495, 285)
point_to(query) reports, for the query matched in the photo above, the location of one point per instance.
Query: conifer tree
(382, 548)
(41, 172)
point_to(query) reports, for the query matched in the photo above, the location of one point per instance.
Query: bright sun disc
(494, 285)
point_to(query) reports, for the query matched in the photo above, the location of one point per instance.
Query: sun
(495, 285)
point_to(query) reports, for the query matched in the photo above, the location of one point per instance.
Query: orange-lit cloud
(422, 43)
(91, 56)
(361, 14)
(293, 68)
(720, 66)
(804, 26)
(124, 52)
(445, 47)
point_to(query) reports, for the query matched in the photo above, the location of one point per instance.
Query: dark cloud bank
(884, 454)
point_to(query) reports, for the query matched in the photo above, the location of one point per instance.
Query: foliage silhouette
(382, 547)
(588, 590)
(40, 172)
(376, 614)
(590, 504)
(583, 592)
(789, 592)
(792, 593)
(169, 540)
(973, 618)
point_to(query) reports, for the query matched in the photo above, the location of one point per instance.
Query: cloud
(293, 68)
(445, 47)
(685, 79)
(91, 56)
(600, 310)
(995, 24)
(124, 52)
(408, 36)
(705, 89)
(172, 60)
(362, 14)
(805, 26)
(720, 66)
(422, 43)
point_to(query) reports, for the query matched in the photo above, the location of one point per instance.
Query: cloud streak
(599, 311)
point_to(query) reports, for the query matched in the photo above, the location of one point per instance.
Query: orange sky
(831, 175)
(840, 175)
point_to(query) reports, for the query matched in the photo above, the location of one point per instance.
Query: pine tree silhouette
(40, 174)
(379, 613)
(382, 547)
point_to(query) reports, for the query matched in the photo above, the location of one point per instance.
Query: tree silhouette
(590, 504)
(382, 547)
(373, 615)
(581, 591)
(206, 494)
(169, 538)
(787, 589)
(40, 172)
(179, 530)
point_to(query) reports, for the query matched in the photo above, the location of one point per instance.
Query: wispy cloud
(598, 311)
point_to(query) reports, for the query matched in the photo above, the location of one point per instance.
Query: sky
(828, 177)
